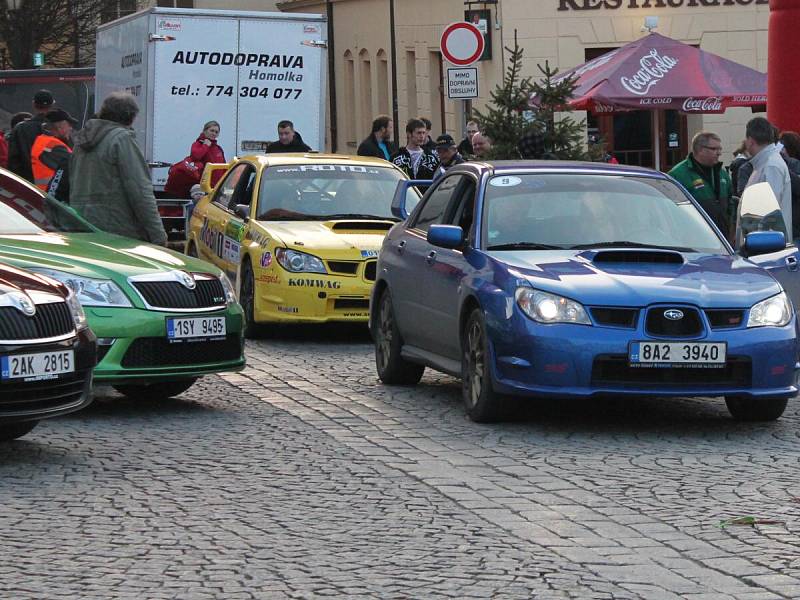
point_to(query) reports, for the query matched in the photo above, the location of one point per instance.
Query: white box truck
(247, 70)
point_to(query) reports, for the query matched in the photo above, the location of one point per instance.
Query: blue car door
(785, 267)
(446, 269)
(408, 254)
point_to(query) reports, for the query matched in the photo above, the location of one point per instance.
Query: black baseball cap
(43, 98)
(445, 141)
(56, 115)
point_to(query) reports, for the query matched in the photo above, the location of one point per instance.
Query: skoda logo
(186, 280)
(673, 314)
(22, 303)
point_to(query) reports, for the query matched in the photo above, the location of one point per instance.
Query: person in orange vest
(51, 149)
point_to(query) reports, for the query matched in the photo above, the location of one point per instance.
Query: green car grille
(208, 293)
(159, 352)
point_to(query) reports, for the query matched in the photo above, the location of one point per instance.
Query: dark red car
(47, 352)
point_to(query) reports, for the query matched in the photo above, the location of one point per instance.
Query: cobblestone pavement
(303, 477)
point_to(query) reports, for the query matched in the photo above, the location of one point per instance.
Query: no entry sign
(462, 43)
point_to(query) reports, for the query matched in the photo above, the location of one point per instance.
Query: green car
(162, 319)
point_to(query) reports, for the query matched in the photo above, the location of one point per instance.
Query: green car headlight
(88, 291)
(299, 262)
(230, 292)
(77, 312)
(775, 311)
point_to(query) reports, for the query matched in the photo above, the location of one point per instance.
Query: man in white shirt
(769, 166)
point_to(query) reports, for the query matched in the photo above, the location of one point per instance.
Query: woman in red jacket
(206, 149)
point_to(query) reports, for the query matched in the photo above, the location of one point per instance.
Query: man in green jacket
(704, 177)
(109, 179)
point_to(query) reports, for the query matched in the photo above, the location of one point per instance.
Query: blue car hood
(702, 279)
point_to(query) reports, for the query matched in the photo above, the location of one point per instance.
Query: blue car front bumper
(565, 360)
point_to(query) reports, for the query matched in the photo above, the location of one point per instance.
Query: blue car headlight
(544, 307)
(89, 291)
(772, 312)
(299, 262)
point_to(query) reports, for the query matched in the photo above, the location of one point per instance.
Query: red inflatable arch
(783, 68)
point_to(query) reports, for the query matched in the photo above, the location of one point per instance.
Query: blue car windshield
(576, 210)
(320, 192)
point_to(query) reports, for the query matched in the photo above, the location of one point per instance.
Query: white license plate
(185, 328)
(42, 365)
(676, 353)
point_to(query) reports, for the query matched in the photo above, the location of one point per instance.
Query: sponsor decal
(369, 253)
(315, 283)
(698, 184)
(713, 103)
(654, 68)
(258, 238)
(310, 29)
(269, 279)
(131, 60)
(615, 4)
(235, 230)
(748, 99)
(342, 168)
(288, 309)
(266, 260)
(169, 25)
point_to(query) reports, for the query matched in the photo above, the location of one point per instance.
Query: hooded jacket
(297, 145)
(769, 166)
(110, 183)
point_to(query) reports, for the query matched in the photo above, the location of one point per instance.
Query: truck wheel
(12, 431)
(482, 403)
(155, 391)
(393, 369)
(746, 408)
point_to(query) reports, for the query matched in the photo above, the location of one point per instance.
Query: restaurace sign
(614, 4)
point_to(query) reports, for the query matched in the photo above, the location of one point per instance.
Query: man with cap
(448, 154)
(51, 151)
(25, 133)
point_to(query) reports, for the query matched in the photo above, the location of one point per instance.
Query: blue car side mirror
(446, 236)
(764, 242)
(400, 200)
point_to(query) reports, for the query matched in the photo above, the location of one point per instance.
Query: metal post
(393, 44)
(332, 79)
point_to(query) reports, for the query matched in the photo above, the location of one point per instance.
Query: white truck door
(286, 82)
(194, 81)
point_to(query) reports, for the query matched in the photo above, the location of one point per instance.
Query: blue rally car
(551, 279)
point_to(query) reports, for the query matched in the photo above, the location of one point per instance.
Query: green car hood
(97, 255)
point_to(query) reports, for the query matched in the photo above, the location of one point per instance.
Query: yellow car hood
(338, 237)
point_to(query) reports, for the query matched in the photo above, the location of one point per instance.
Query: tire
(12, 431)
(155, 391)
(247, 294)
(392, 368)
(746, 408)
(482, 403)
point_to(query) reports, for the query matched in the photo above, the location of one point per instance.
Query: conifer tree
(506, 119)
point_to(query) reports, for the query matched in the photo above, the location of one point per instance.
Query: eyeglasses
(713, 148)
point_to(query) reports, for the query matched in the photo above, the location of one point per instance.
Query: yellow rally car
(299, 233)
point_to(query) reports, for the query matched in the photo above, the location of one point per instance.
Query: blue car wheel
(392, 367)
(745, 408)
(482, 403)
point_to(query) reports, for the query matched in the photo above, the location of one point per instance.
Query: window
(227, 196)
(176, 3)
(115, 9)
(464, 213)
(433, 212)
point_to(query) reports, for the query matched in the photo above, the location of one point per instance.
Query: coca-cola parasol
(656, 72)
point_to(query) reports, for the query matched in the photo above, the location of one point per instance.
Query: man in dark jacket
(448, 154)
(417, 162)
(701, 173)
(110, 183)
(379, 142)
(465, 147)
(24, 133)
(288, 140)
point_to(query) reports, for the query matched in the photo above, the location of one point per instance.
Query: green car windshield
(26, 211)
(321, 192)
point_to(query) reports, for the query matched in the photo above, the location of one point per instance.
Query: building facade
(565, 33)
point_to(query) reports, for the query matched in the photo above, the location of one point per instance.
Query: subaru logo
(186, 280)
(673, 314)
(22, 303)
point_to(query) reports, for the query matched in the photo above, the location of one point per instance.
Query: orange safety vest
(42, 174)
